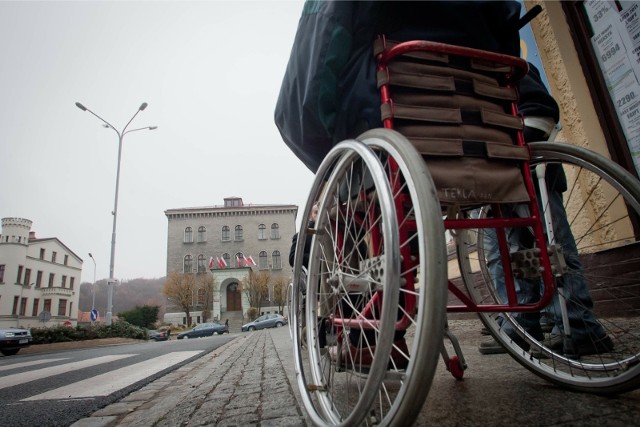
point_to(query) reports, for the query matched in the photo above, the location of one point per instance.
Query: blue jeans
(584, 325)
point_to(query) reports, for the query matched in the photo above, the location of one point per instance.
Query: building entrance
(234, 298)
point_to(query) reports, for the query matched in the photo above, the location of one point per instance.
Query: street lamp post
(93, 287)
(121, 135)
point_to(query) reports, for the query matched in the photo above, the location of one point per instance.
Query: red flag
(246, 261)
(221, 262)
(238, 262)
(210, 263)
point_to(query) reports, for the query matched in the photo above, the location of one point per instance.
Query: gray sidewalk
(241, 383)
(251, 382)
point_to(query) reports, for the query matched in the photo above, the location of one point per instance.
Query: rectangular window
(71, 282)
(1, 273)
(53, 256)
(23, 306)
(66, 259)
(62, 307)
(39, 279)
(42, 251)
(47, 306)
(27, 276)
(34, 311)
(16, 300)
(52, 276)
(63, 282)
(19, 276)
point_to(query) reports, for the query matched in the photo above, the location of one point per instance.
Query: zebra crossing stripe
(25, 377)
(105, 384)
(32, 363)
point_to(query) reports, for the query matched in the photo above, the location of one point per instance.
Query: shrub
(61, 333)
(252, 313)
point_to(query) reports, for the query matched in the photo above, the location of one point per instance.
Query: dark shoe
(491, 347)
(554, 342)
(362, 358)
(580, 348)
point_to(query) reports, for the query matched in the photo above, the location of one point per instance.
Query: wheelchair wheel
(599, 280)
(351, 293)
(423, 274)
(354, 380)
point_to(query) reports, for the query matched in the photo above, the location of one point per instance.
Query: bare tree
(205, 286)
(280, 288)
(179, 288)
(256, 287)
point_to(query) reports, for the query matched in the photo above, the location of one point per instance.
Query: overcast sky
(210, 72)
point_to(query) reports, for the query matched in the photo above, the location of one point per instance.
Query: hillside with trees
(126, 296)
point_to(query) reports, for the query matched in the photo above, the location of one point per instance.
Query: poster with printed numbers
(616, 42)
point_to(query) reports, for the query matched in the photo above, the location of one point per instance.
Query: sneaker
(494, 347)
(362, 358)
(491, 347)
(581, 348)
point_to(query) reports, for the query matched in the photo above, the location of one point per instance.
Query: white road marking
(105, 384)
(25, 377)
(32, 363)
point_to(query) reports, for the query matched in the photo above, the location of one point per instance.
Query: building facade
(39, 278)
(227, 242)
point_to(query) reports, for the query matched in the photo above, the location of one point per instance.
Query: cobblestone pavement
(251, 382)
(242, 383)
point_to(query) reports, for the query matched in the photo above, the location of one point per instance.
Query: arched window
(262, 261)
(239, 259)
(275, 231)
(202, 265)
(188, 264)
(200, 296)
(227, 258)
(262, 232)
(276, 263)
(225, 233)
(238, 232)
(188, 235)
(202, 234)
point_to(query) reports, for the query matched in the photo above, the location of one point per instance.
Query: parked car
(158, 335)
(265, 321)
(13, 339)
(203, 330)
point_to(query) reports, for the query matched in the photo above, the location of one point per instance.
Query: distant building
(219, 240)
(39, 278)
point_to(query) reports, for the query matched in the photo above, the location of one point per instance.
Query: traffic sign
(94, 314)
(44, 316)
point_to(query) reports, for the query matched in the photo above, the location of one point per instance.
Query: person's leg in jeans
(527, 291)
(584, 325)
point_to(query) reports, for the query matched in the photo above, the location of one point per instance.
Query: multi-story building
(198, 239)
(39, 278)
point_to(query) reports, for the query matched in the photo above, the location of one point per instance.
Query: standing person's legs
(585, 328)
(527, 291)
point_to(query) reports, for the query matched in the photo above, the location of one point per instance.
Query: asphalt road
(58, 388)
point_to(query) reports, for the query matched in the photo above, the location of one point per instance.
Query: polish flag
(210, 263)
(238, 262)
(251, 260)
(221, 262)
(246, 261)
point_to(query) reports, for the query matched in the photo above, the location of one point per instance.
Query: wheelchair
(376, 288)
